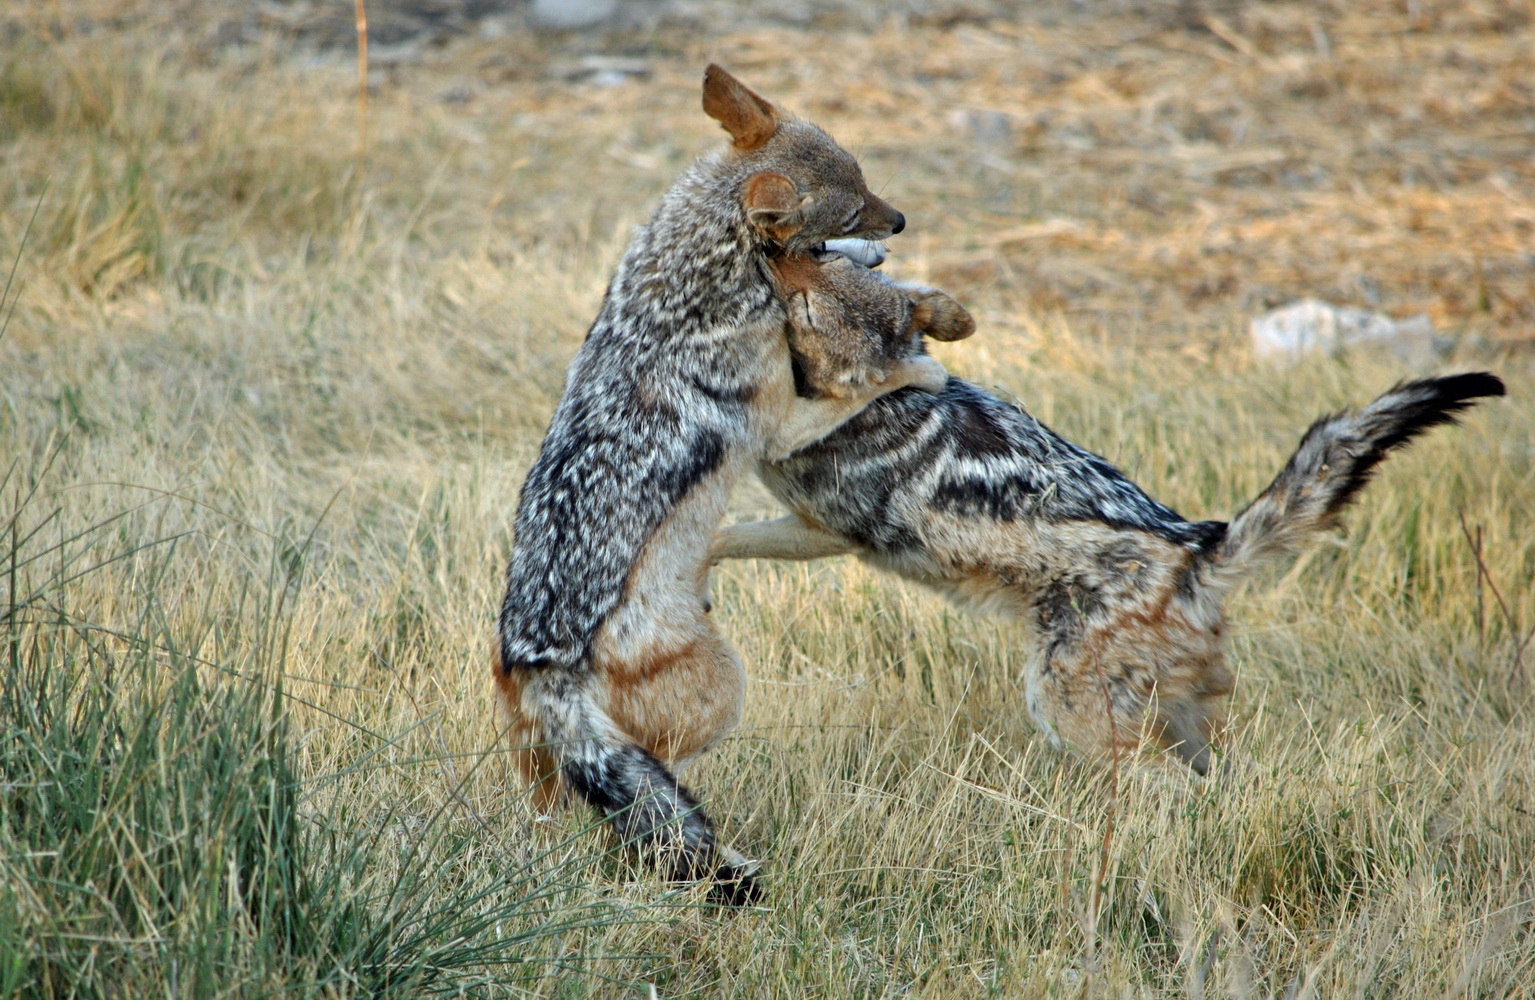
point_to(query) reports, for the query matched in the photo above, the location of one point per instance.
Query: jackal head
(849, 325)
(798, 187)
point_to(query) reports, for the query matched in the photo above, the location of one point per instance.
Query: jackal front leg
(809, 420)
(783, 538)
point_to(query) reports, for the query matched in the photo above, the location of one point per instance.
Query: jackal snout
(879, 215)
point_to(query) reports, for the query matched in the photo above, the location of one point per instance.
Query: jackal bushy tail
(1336, 458)
(646, 804)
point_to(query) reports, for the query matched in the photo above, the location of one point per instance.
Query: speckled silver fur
(653, 402)
(683, 383)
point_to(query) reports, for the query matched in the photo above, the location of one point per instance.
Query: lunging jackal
(974, 497)
(611, 671)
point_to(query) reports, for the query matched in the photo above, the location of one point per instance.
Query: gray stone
(1312, 327)
(568, 15)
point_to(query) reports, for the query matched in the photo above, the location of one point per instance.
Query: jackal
(1123, 597)
(611, 671)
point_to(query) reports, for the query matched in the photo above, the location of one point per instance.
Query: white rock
(1311, 326)
(565, 15)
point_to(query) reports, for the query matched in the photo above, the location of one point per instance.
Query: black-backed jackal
(1123, 597)
(607, 663)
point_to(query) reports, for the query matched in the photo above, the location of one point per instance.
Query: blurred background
(1149, 169)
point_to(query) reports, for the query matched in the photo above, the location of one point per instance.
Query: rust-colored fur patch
(535, 764)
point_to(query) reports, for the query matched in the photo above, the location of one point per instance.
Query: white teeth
(869, 253)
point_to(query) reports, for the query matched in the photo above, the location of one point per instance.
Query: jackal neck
(696, 263)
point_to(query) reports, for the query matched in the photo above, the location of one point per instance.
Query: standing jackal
(974, 497)
(611, 671)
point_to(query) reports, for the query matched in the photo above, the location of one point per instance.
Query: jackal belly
(668, 678)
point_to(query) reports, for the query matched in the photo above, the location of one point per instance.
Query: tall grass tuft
(155, 830)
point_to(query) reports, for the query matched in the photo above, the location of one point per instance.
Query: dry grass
(324, 375)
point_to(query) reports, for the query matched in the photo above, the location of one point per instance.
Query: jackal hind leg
(680, 697)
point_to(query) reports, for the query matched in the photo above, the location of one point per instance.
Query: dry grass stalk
(362, 82)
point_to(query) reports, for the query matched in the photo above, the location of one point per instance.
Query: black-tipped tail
(651, 809)
(1336, 459)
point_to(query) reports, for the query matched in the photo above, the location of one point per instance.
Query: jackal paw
(735, 883)
(925, 373)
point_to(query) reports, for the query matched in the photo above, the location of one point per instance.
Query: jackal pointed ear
(941, 317)
(750, 119)
(774, 206)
